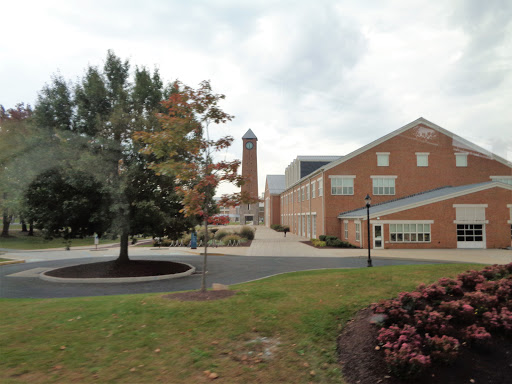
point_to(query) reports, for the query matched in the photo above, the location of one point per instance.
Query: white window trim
(461, 154)
(406, 221)
(384, 177)
(313, 189)
(345, 228)
(470, 221)
(411, 222)
(343, 177)
(421, 154)
(470, 205)
(383, 154)
(509, 206)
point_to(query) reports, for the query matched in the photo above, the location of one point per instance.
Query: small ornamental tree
(183, 149)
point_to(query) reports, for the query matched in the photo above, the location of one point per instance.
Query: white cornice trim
(470, 221)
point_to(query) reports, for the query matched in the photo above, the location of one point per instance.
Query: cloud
(485, 61)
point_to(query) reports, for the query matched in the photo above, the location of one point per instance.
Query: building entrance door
(378, 236)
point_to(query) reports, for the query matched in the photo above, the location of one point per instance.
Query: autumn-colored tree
(183, 148)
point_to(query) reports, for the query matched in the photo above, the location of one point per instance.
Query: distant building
(429, 187)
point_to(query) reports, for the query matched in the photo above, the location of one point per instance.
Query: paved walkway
(270, 243)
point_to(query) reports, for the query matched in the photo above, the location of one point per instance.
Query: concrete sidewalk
(270, 243)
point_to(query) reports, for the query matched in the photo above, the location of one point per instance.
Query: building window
(383, 159)
(313, 189)
(345, 225)
(342, 185)
(422, 159)
(358, 231)
(383, 185)
(320, 187)
(307, 192)
(461, 159)
(303, 194)
(313, 224)
(502, 179)
(409, 233)
(470, 232)
(292, 196)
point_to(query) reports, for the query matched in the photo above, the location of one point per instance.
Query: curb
(52, 279)
(209, 253)
(12, 262)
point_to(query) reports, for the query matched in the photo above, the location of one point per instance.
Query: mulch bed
(112, 269)
(200, 296)
(362, 364)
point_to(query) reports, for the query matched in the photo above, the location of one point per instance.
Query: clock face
(249, 145)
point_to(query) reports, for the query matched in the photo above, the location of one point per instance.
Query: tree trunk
(6, 223)
(123, 252)
(31, 228)
(205, 255)
(23, 225)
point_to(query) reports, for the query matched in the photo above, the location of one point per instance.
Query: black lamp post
(368, 201)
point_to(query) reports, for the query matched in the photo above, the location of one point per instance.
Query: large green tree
(14, 139)
(94, 120)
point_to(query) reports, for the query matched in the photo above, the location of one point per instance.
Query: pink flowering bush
(481, 301)
(403, 350)
(470, 279)
(453, 287)
(442, 348)
(474, 333)
(431, 323)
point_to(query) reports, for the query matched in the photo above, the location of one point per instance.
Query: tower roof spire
(249, 135)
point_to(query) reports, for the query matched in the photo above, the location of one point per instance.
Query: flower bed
(433, 322)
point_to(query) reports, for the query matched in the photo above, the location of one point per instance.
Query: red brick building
(413, 160)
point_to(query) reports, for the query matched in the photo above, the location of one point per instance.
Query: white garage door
(470, 221)
(470, 235)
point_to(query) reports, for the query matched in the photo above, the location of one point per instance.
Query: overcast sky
(308, 77)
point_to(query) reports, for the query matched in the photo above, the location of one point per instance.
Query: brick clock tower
(249, 213)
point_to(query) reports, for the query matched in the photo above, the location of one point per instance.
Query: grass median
(20, 240)
(281, 329)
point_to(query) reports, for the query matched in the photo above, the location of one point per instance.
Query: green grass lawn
(19, 240)
(281, 329)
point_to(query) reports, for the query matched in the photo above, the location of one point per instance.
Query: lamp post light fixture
(368, 201)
